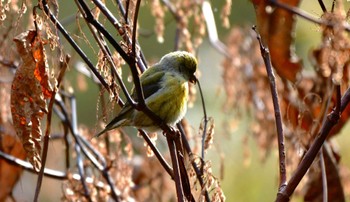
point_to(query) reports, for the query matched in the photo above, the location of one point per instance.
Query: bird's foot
(171, 132)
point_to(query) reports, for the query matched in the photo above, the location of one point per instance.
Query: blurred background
(243, 175)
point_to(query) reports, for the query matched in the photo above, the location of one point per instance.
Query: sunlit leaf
(30, 87)
(276, 26)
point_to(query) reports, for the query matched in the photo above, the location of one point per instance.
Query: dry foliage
(117, 167)
(30, 87)
(9, 143)
(305, 97)
(276, 27)
(124, 167)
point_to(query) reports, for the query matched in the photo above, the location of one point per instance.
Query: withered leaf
(276, 28)
(9, 143)
(314, 185)
(9, 173)
(30, 87)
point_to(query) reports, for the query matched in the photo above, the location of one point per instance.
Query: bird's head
(182, 62)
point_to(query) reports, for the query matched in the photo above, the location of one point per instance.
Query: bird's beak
(193, 79)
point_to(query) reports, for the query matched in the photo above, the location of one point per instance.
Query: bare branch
(310, 155)
(278, 118)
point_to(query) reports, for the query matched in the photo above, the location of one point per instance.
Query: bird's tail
(115, 123)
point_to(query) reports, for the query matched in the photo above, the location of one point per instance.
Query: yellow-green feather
(165, 88)
(169, 103)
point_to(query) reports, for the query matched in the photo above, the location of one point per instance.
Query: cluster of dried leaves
(306, 97)
(9, 142)
(117, 167)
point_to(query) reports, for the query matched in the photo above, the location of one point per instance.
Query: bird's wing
(151, 83)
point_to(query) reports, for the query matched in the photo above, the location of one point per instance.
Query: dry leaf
(276, 26)
(314, 187)
(209, 133)
(30, 87)
(9, 143)
(9, 173)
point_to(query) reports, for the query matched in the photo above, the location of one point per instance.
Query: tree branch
(278, 118)
(310, 155)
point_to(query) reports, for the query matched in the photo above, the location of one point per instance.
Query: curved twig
(64, 65)
(306, 16)
(205, 118)
(73, 43)
(278, 117)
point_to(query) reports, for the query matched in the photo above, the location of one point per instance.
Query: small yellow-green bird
(165, 89)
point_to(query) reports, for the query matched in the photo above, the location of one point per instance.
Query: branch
(205, 118)
(212, 30)
(278, 118)
(54, 174)
(101, 167)
(121, 30)
(64, 65)
(324, 177)
(156, 152)
(307, 16)
(310, 155)
(198, 171)
(70, 40)
(175, 162)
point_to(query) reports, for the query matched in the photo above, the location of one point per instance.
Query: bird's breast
(170, 102)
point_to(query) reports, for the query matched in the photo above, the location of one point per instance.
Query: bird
(166, 90)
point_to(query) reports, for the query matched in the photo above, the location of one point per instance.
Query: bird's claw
(172, 132)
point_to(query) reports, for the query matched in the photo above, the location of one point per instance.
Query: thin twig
(107, 53)
(81, 171)
(198, 171)
(333, 5)
(67, 142)
(64, 65)
(54, 174)
(130, 60)
(64, 32)
(205, 119)
(134, 30)
(324, 177)
(126, 17)
(91, 157)
(77, 147)
(179, 20)
(278, 118)
(323, 7)
(212, 30)
(306, 16)
(186, 186)
(121, 30)
(157, 153)
(174, 159)
(338, 98)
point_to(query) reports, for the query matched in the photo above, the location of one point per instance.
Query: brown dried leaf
(9, 143)
(158, 12)
(333, 55)
(314, 188)
(276, 28)
(9, 173)
(30, 87)
(225, 13)
(209, 132)
(246, 86)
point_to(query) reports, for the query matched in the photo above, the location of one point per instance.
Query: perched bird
(165, 89)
